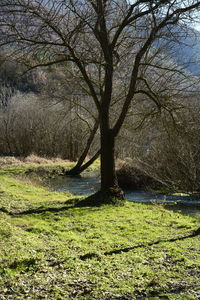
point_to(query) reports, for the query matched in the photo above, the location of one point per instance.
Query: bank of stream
(89, 183)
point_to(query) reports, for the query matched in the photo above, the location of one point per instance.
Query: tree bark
(110, 193)
(79, 168)
(108, 174)
(109, 182)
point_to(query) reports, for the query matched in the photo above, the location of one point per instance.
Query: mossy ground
(51, 250)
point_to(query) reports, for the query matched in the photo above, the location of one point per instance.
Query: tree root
(114, 196)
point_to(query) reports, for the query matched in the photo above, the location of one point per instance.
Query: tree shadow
(40, 210)
(94, 200)
(43, 210)
(187, 210)
(127, 249)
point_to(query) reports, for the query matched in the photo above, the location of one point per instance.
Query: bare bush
(131, 176)
(29, 124)
(168, 150)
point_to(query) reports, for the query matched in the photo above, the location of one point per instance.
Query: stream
(89, 183)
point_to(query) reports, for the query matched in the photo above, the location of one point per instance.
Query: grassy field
(52, 250)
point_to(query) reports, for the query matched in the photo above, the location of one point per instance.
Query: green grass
(51, 250)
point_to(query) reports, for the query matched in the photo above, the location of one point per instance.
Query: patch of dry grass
(29, 160)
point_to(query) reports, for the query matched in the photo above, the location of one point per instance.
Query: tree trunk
(80, 167)
(110, 193)
(109, 182)
(108, 175)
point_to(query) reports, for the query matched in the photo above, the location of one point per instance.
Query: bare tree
(99, 38)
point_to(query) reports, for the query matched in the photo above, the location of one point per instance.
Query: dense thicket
(31, 125)
(42, 112)
(166, 149)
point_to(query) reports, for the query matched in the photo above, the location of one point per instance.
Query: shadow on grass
(96, 200)
(127, 249)
(36, 210)
(23, 264)
(40, 210)
(187, 210)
